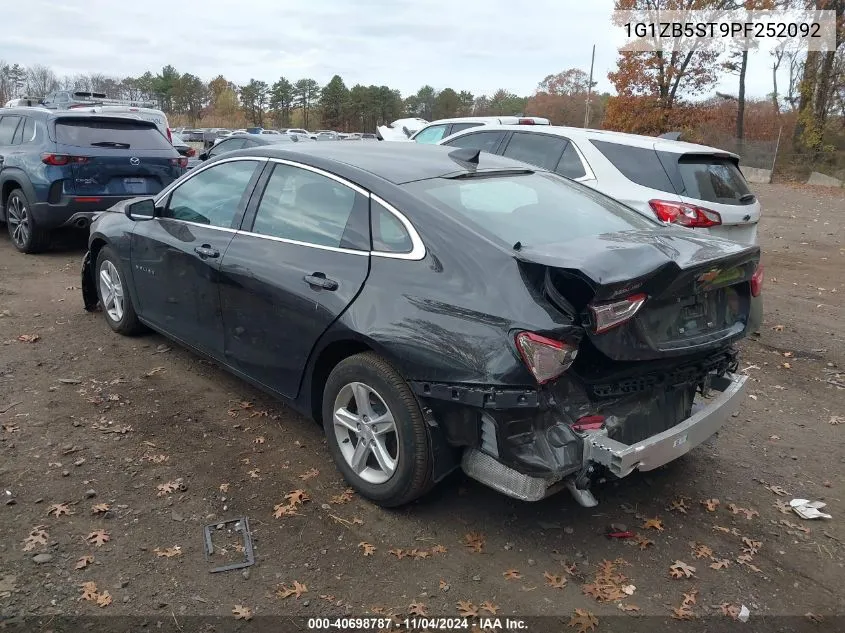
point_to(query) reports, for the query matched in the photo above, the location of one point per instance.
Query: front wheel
(376, 432)
(114, 294)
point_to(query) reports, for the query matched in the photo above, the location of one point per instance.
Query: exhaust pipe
(81, 223)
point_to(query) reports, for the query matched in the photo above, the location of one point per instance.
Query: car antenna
(467, 156)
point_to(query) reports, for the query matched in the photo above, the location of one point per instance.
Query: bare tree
(40, 81)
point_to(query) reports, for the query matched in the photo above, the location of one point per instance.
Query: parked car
(147, 114)
(437, 308)
(185, 150)
(326, 136)
(369, 137)
(437, 130)
(690, 185)
(60, 168)
(237, 142)
(400, 129)
(295, 131)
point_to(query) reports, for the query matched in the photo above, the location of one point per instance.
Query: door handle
(206, 251)
(318, 280)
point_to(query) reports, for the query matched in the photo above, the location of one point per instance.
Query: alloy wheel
(366, 432)
(18, 220)
(111, 291)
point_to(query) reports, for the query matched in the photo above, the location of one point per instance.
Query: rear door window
(542, 150)
(485, 141)
(570, 164)
(18, 138)
(8, 125)
(105, 134)
(713, 179)
(638, 164)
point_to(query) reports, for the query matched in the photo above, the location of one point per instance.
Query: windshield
(533, 208)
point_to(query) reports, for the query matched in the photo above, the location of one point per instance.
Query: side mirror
(203, 156)
(141, 210)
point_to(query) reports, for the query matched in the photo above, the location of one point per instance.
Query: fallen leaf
(627, 608)
(439, 549)
(644, 542)
(783, 507)
(786, 366)
(153, 372)
(298, 588)
(368, 548)
(443, 585)
(836, 420)
(28, 338)
(255, 473)
(679, 505)
(653, 524)
(721, 563)
(167, 488)
(224, 488)
(583, 621)
(11, 428)
(418, 609)
(557, 582)
(58, 509)
(398, 553)
(344, 497)
(795, 526)
(682, 613)
(104, 599)
(489, 607)
(730, 610)
(89, 591)
(241, 612)
(83, 562)
(467, 609)
(169, 552)
(702, 551)
(780, 492)
(258, 440)
(284, 510)
(751, 546)
(37, 536)
(788, 354)
(689, 598)
(98, 537)
(417, 554)
(778, 328)
(749, 513)
(710, 504)
(512, 574)
(297, 497)
(309, 474)
(100, 508)
(474, 541)
(679, 569)
(813, 617)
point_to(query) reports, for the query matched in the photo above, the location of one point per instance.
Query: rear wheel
(376, 432)
(114, 294)
(26, 236)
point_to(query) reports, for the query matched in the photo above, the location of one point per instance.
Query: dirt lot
(103, 424)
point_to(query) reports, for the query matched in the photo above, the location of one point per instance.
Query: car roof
(397, 163)
(583, 134)
(73, 114)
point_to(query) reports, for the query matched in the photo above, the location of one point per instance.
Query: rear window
(529, 208)
(110, 134)
(638, 164)
(713, 179)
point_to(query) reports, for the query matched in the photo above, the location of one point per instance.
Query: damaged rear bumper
(709, 415)
(555, 456)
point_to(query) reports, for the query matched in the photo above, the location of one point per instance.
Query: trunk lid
(116, 156)
(697, 288)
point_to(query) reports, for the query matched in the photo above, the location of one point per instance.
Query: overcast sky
(472, 45)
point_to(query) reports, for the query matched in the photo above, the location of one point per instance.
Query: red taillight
(191, 151)
(608, 315)
(170, 136)
(545, 358)
(588, 423)
(59, 160)
(181, 161)
(87, 199)
(757, 282)
(526, 122)
(684, 214)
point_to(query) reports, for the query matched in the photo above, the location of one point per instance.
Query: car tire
(25, 235)
(369, 378)
(113, 293)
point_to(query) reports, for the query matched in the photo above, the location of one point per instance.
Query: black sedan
(438, 308)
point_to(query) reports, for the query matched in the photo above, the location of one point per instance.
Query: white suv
(691, 185)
